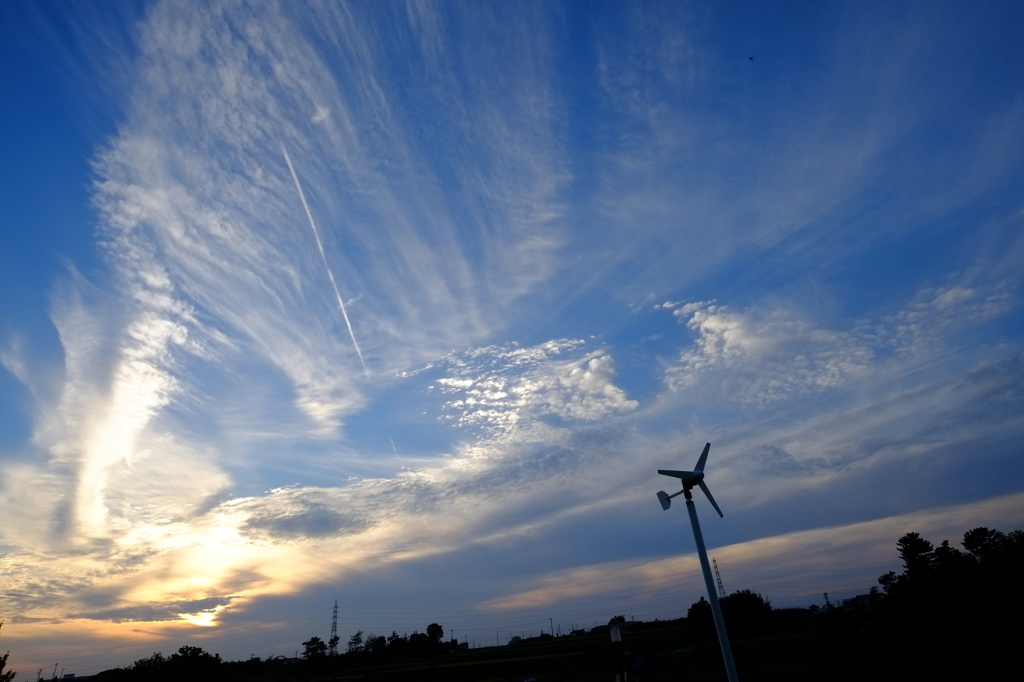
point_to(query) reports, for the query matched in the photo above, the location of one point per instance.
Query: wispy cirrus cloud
(406, 256)
(218, 293)
(767, 353)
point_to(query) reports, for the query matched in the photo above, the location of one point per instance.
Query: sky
(404, 304)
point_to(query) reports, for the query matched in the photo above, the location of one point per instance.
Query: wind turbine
(691, 479)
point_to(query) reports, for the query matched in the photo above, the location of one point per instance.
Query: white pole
(716, 610)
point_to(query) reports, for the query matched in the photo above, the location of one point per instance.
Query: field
(650, 652)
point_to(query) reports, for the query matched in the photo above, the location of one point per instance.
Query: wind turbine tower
(691, 479)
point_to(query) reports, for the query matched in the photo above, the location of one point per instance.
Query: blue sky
(404, 305)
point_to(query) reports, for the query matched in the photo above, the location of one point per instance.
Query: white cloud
(510, 387)
(321, 114)
(12, 358)
(765, 354)
(938, 314)
(756, 357)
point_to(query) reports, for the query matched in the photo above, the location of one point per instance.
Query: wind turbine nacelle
(688, 477)
(665, 499)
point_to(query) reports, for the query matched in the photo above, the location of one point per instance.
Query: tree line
(196, 665)
(381, 647)
(958, 612)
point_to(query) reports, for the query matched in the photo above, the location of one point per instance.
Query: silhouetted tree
(434, 633)
(746, 613)
(151, 669)
(194, 654)
(700, 620)
(916, 552)
(355, 643)
(154, 662)
(9, 675)
(314, 648)
(187, 663)
(395, 642)
(946, 600)
(191, 662)
(984, 544)
(418, 644)
(377, 645)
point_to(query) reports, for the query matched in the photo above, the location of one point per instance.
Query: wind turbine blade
(704, 487)
(703, 458)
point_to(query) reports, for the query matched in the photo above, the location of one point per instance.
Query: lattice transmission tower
(334, 631)
(718, 577)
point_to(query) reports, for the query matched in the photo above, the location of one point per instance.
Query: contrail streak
(323, 256)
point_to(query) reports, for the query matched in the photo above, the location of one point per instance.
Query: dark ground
(650, 652)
